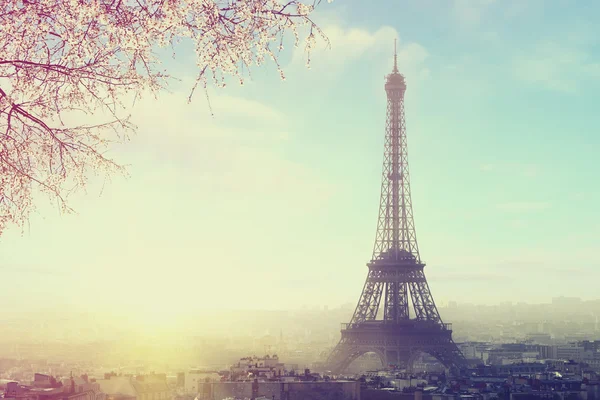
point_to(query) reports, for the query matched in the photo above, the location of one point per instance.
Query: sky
(272, 202)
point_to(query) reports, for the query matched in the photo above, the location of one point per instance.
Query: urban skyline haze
(272, 202)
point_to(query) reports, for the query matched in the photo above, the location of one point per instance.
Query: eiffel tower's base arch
(395, 347)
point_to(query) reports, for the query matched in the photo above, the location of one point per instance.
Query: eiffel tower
(410, 323)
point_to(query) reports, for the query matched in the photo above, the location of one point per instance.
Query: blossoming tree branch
(84, 56)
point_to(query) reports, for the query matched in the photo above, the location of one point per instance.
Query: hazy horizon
(272, 203)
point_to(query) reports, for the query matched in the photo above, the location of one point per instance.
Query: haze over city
(248, 213)
(502, 147)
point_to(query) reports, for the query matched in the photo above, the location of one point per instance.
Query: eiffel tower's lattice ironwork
(408, 322)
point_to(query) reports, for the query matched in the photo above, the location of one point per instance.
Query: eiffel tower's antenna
(395, 71)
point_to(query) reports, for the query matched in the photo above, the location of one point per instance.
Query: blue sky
(272, 202)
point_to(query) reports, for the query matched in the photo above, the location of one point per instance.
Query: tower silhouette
(408, 322)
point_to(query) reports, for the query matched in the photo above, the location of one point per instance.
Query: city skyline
(275, 196)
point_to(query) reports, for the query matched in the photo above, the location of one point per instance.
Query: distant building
(195, 376)
(181, 379)
(521, 369)
(539, 338)
(593, 345)
(43, 381)
(571, 351)
(252, 367)
(566, 301)
(475, 350)
(141, 387)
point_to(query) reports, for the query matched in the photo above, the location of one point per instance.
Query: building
(521, 369)
(46, 387)
(342, 390)
(251, 367)
(539, 338)
(181, 379)
(571, 351)
(140, 387)
(195, 376)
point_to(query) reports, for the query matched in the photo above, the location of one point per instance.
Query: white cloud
(171, 119)
(376, 48)
(238, 150)
(518, 224)
(521, 169)
(523, 206)
(203, 191)
(470, 12)
(556, 66)
(238, 106)
(453, 276)
(520, 8)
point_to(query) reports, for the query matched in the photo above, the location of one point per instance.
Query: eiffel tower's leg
(411, 358)
(369, 302)
(347, 351)
(337, 359)
(442, 349)
(423, 303)
(396, 302)
(449, 355)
